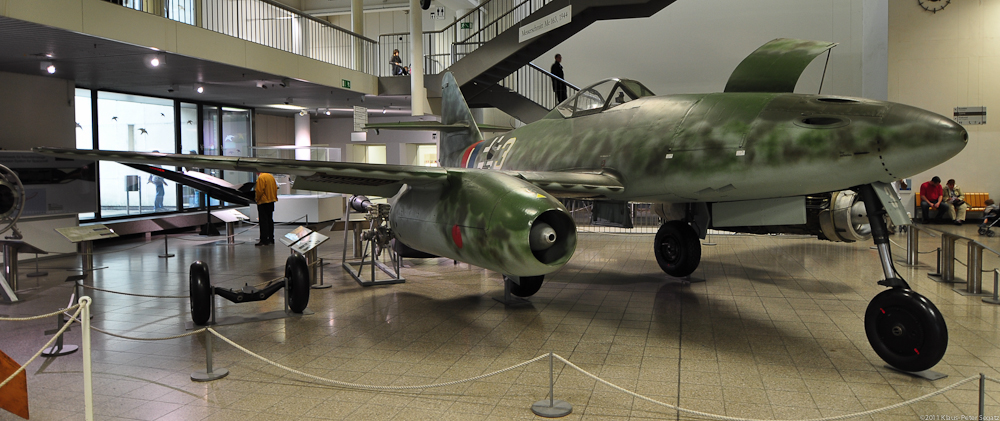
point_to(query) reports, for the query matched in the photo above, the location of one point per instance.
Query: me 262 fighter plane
(755, 158)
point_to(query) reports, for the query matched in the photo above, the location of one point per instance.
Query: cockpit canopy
(603, 95)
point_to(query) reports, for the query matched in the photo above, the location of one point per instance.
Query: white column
(358, 27)
(302, 136)
(418, 94)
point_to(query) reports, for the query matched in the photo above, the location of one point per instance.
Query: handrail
(317, 20)
(549, 74)
(505, 14)
(270, 23)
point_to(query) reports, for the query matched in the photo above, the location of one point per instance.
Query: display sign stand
(8, 282)
(230, 217)
(304, 241)
(84, 238)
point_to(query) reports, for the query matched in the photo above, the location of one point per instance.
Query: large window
(140, 124)
(137, 123)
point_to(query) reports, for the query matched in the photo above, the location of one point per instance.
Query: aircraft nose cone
(915, 140)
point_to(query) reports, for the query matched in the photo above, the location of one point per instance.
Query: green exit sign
(344, 83)
(466, 25)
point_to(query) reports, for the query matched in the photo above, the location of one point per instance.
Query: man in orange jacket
(266, 193)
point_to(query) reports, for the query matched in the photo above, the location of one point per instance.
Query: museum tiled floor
(775, 332)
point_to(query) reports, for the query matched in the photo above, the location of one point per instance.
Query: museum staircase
(491, 64)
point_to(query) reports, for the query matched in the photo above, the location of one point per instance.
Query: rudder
(454, 109)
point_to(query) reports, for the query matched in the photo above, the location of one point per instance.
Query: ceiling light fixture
(200, 89)
(155, 60)
(327, 111)
(303, 113)
(48, 67)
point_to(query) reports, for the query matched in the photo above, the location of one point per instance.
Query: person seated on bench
(956, 201)
(932, 197)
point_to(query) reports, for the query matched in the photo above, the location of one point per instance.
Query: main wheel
(982, 231)
(529, 285)
(297, 273)
(906, 329)
(200, 290)
(677, 248)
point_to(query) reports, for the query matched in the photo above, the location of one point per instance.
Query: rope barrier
(79, 308)
(728, 418)
(27, 319)
(133, 294)
(371, 387)
(134, 338)
(992, 379)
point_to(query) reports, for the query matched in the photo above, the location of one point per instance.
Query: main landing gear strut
(904, 328)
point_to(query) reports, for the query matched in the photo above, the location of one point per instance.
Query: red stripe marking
(916, 350)
(456, 235)
(468, 151)
(883, 311)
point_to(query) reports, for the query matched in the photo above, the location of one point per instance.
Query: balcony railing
(535, 83)
(272, 24)
(444, 47)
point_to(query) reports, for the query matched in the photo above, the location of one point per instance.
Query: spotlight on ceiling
(48, 67)
(327, 111)
(199, 89)
(155, 60)
(303, 113)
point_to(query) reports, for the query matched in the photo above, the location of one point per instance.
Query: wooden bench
(975, 201)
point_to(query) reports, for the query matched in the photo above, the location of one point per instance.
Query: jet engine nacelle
(486, 219)
(836, 216)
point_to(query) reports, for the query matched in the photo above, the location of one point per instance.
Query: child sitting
(991, 211)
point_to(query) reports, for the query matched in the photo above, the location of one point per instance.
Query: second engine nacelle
(836, 216)
(487, 219)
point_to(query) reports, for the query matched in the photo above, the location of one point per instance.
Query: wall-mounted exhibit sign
(970, 116)
(545, 24)
(360, 118)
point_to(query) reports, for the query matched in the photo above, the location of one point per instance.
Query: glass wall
(137, 123)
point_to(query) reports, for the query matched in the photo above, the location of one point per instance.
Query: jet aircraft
(755, 158)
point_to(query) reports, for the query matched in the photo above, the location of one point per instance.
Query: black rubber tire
(677, 248)
(982, 231)
(200, 291)
(906, 329)
(529, 285)
(297, 273)
(991, 233)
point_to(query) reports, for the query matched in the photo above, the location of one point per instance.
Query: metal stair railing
(269, 23)
(535, 84)
(444, 47)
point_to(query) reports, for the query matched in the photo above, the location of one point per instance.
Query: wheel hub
(900, 331)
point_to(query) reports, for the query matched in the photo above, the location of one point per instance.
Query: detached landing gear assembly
(904, 328)
(295, 283)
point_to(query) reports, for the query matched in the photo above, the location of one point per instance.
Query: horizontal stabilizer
(434, 125)
(776, 66)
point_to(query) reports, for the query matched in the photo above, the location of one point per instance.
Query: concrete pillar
(303, 136)
(418, 95)
(358, 27)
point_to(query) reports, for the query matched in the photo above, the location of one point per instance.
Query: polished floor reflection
(775, 332)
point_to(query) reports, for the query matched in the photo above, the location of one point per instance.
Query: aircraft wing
(435, 125)
(350, 177)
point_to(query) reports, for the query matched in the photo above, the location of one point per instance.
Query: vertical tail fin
(454, 109)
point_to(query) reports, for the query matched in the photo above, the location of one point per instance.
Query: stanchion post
(166, 253)
(974, 269)
(210, 372)
(88, 377)
(948, 257)
(982, 396)
(996, 283)
(912, 246)
(551, 408)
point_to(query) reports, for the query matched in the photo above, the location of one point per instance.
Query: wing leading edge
(349, 177)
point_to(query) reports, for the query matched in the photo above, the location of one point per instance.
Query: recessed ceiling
(97, 63)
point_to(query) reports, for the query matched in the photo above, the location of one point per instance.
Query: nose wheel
(906, 329)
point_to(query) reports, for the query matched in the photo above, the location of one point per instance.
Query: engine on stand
(376, 240)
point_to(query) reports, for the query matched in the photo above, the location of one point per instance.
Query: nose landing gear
(903, 327)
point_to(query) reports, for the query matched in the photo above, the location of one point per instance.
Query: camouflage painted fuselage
(731, 146)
